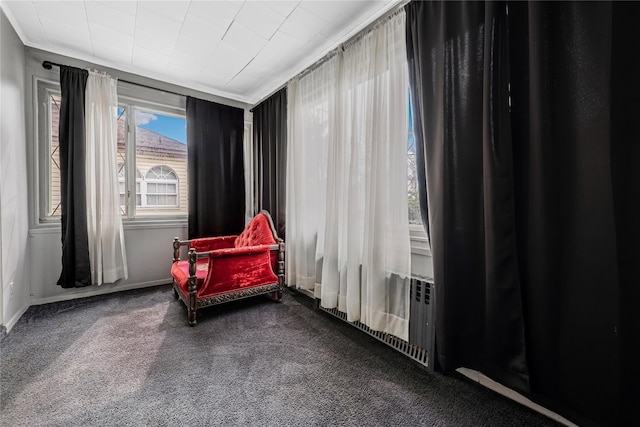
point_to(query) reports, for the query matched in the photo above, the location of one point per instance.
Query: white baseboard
(479, 377)
(98, 290)
(11, 323)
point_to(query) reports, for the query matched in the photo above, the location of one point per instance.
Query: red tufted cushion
(257, 232)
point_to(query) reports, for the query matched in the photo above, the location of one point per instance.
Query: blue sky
(172, 127)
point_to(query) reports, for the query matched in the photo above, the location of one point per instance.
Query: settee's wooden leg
(278, 293)
(192, 307)
(192, 289)
(192, 317)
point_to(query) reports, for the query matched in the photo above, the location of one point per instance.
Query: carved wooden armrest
(177, 244)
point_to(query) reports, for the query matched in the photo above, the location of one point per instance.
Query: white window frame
(143, 211)
(42, 118)
(131, 97)
(121, 180)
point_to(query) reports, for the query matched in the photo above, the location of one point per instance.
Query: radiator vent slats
(411, 350)
(420, 325)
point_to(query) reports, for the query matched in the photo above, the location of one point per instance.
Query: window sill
(419, 241)
(52, 227)
(155, 223)
(416, 250)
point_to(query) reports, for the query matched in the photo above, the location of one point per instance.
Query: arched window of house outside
(161, 187)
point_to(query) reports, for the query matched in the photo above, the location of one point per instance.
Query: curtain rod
(48, 65)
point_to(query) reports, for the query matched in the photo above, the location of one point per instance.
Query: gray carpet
(130, 359)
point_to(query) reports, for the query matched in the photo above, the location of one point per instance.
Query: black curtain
(76, 271)
(458, 63)
(270, 157)
(531, 206)
(625, 158)
(215, 168)
(575, 103)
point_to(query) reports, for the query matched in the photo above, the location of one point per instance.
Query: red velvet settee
(226, 268)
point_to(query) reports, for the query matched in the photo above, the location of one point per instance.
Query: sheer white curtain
(104, 222)
(310, 100)
(367, 249)
(364, 245)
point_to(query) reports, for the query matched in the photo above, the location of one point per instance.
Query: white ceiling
(242, 50)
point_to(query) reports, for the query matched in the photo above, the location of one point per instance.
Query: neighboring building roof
(153, 142)
(147, 140)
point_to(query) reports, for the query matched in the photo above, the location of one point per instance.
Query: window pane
(161, 155)
(158, 139)
(53, 103)
(138, 191)
(412, 186)
(122, 155)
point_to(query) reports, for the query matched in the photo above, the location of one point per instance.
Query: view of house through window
(152, 160)
(161, 159)
(53, 201)
(123, 190)
(122, 157)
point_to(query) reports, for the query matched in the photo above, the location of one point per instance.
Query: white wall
(149, 254)
(14, 225)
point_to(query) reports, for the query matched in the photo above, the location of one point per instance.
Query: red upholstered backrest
(212, 243)
(257, 232)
